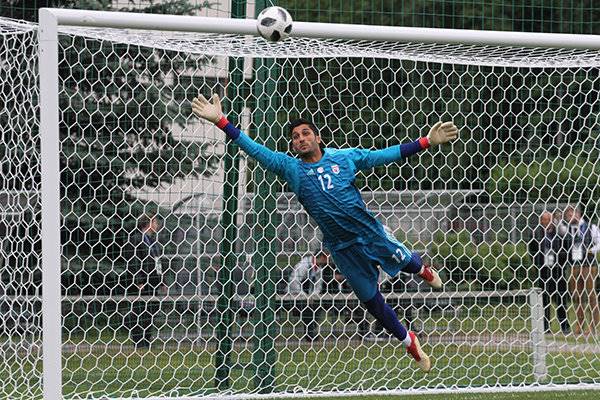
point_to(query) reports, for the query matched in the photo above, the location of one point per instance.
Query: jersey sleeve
(366, 159)
(274, 161)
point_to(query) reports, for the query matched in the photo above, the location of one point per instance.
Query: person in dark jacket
(144, 267)
(548, 256)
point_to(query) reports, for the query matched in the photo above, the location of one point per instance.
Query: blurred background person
(584, 271)
(143, 254)
(546, 248)
(307, 278)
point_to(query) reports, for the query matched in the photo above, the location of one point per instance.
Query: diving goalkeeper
(323, 181)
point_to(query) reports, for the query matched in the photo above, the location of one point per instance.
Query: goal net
(188, 271)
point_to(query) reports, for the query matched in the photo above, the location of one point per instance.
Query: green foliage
(503, 113)
(575, 178)
(489, 265)
(517, 15)
(119, 108)
(520, 15)
(99, 163)
(119, 104)
(28, 9)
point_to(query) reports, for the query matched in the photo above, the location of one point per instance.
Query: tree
(119, 104)
(515, 15)
(374, 102)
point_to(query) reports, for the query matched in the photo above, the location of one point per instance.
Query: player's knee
(366, 295)
(375, 304)
(414, 264)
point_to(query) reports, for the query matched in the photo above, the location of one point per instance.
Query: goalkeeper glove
(205, 110)
(442, 133)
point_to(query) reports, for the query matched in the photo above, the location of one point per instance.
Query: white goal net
(188, 271)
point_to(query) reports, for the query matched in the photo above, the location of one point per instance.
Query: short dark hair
(144, 221)
(302, 121)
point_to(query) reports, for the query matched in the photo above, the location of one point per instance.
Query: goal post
(50, 172)
(234, 104)
(512, 93)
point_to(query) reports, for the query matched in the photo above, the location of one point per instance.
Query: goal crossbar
(124, 20)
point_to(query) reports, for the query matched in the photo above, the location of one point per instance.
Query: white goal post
(508, 51)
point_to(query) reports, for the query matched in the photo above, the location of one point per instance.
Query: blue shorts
(359, 264)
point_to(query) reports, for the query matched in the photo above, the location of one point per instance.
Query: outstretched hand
(205, 110)
(442, 133)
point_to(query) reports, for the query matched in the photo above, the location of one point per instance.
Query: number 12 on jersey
(326, 182)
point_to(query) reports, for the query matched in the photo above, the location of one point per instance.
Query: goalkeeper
(323, 181)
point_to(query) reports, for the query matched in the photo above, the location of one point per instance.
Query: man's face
(321, 260)
(304, 140)
(545, 219)
(154, 225)
(570, 215)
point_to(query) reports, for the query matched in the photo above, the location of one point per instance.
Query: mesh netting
(237, 46)
(152, 306)
(20, 224)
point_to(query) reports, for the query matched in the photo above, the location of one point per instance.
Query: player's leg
(388, 318)
(576, 288)
(547, 284)
(394, 256)
(362, 274)
(416, 266)
(559, 295)
(591, 298)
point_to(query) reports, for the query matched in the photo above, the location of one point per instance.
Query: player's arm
(440, 133)
(212, 112)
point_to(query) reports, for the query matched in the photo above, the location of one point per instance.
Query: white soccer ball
(274, 23)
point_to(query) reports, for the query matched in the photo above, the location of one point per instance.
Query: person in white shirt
(594, 250)
(583, 246)
(307, 278)
(595, 240)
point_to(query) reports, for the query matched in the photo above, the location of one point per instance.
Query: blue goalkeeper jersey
(326, 188)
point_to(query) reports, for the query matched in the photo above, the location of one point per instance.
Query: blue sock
(414, 265)
(379, 309)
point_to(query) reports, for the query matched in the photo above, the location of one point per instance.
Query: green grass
(187, 372)
(570, 395)
(183, 371)
(320, 368)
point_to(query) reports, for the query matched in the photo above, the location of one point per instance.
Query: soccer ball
(274, 24)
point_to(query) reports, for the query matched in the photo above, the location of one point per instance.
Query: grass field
(322, 368)
(570, 395)
(105, 364)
